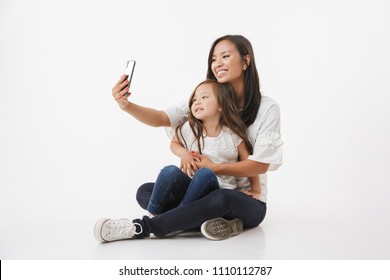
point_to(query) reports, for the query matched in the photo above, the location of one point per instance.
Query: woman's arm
(254, 181)
(244, 168)
(145, 115)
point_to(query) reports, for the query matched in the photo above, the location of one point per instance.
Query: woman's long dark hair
(252, 94)
(230, 117)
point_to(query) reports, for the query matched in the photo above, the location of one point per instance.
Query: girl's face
(205, 105)
(227, 64)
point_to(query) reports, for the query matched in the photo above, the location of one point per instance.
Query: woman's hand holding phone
(120, 91)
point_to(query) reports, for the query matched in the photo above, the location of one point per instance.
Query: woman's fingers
(118, 84)
(124, 92)
(193, 166)
(252, 194)
(120, 89)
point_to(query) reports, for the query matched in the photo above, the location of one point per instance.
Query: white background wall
(68, 152)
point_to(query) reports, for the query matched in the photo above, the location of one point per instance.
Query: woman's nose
(218, 62)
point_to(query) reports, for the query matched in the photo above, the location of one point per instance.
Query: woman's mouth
(221, 72)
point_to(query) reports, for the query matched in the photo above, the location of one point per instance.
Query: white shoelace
(122, 229)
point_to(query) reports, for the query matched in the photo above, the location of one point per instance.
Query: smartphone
(129, 70)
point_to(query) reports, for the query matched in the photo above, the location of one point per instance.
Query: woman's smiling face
(227, 64)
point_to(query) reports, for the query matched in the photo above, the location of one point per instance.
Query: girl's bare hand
(187, 164)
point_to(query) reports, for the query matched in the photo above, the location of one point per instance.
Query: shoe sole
(97, 231)
(220, 229)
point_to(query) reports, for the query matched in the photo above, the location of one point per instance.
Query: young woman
(214, 129)
(231, 60)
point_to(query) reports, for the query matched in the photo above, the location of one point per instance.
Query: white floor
(285, 234)
(313, 214)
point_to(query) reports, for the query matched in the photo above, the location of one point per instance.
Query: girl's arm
(187, 161)
(145, 115)
(254, 180)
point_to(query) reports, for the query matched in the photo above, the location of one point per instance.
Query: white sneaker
(219, 228)
(107, 230)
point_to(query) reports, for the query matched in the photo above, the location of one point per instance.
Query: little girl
(213, 128)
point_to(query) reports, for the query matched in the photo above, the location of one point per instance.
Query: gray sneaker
(219, 228)
(107, 230)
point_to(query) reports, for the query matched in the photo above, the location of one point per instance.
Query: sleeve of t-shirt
(187, 137)
(176, 114)
(268, 147)
(235, 138)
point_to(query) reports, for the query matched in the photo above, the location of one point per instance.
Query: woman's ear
(247, 61)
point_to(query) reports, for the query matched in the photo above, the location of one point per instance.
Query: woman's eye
(226, 56)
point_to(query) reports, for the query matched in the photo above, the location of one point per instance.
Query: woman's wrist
(216, 168)
(126, 107)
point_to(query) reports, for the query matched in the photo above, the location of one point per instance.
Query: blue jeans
(224, 203)
(173, 182)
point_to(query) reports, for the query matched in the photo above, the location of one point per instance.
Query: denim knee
(204, 171)
(171, 182)
(143, 194)
(170, 169)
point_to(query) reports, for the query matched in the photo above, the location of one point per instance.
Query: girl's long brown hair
(230, 116)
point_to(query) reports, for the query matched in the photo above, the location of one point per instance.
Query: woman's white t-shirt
(220, 149)
(264, 135)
